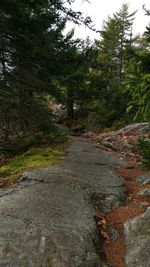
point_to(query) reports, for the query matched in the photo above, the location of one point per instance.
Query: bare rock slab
(137, 236)
(53, 228)
(48, 219)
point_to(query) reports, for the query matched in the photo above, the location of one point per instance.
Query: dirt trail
(48, 218)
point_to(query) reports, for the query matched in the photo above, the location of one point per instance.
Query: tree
(116, 38)
(24, 46)
(78, 59)
(32, 47)
(137, 80)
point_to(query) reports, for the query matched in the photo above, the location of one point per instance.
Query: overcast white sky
(99, 10)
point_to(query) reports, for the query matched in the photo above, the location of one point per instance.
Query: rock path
(47, 219)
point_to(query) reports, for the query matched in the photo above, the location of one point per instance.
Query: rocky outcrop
(137, 237)
(141, 127)
(125, 141)
(48, 219)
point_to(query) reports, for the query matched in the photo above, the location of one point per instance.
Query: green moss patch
(33, 158)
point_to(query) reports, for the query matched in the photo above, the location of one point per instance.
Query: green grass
(33, 158)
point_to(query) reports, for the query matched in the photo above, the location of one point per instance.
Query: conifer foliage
(107, 80)
(32, 50)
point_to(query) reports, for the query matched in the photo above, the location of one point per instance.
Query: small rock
(105, 206)
(107, 203)
(144, 179)
(127, 145)
(109, 139)
(112, 232)
(110, 145)
(144, 192)
(24, 176)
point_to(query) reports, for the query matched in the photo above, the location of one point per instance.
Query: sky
(99, 11)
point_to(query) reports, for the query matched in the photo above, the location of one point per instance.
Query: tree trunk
(70, 101)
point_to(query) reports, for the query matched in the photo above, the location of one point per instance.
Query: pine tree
(116, 38)
(32, 52)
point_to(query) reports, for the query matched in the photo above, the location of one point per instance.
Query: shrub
(48, 137)
(144, 149)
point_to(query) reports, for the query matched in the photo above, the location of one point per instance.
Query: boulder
(110, 145)
(137, 238)
(140, 127)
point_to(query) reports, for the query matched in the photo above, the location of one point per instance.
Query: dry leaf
(105, 235)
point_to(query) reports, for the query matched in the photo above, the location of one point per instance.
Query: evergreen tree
(137, 80)
(32, 52)
(116, 38)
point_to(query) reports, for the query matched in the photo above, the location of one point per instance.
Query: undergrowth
(144, 149)
(21, 144)
(41, 149)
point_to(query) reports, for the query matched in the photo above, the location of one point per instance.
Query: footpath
(48, 219)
